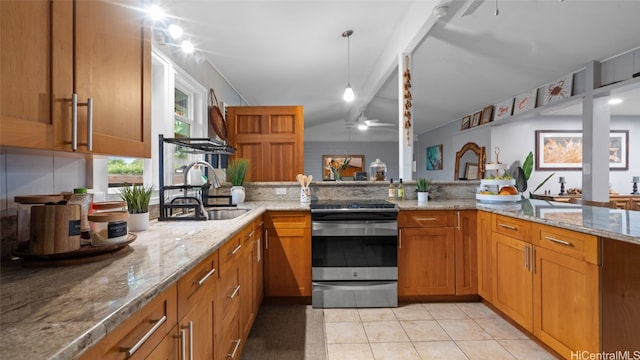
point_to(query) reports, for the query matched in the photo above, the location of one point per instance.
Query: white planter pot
(138, 222)
(423, 197)
(237, 195)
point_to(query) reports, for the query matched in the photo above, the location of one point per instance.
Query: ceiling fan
(362, 123)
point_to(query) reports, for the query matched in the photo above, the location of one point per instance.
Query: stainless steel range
(354, 253)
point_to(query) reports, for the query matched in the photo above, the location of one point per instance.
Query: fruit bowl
(498, 198)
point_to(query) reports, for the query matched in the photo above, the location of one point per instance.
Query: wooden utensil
(300, 179)
(309, 178)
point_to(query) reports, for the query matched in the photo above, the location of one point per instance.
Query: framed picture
(465, 122)
(434, 157)
(503, 109)
(487, 113)
(471, 171)
(558, 90)
(562, 150)
(475, 119)
(524, 102)
(356, 164)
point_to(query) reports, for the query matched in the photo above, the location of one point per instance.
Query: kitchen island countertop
(56, 313)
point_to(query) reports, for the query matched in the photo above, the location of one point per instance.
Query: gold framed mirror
(470, 161)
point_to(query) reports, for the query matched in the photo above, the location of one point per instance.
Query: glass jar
(84, 199)
(24, 214)
(109, 228)
(378, 171)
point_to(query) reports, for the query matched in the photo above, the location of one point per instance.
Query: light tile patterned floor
(426, 331)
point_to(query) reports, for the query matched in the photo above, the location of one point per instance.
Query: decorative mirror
(343, 172)
(470, 162)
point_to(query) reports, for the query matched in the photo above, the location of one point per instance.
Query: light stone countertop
(55, 313)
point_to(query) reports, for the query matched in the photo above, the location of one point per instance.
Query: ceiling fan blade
(376, 123)
(470, 7)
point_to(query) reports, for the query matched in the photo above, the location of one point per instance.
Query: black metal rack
(216, 153)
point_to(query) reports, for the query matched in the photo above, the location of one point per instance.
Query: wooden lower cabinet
(566, 303)
(466, 257)
(287, 254)
(169, 348)
(485, 257)
(513, 281)
(426, 261)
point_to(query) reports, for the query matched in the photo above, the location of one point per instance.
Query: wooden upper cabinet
(101, 50)
(271, 137)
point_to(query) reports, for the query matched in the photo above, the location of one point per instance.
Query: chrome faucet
(215, 182)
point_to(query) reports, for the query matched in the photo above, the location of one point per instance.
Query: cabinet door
(247, 313)
(566, 303)
(426, 261)
(288, 262)
(258, 267)
(466, 253)
(272, 137)
(113, 67)
(512, 280)
(485, 257)
(198, 328)
(169, 348)
(36, 76)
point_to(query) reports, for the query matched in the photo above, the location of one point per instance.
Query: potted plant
(137, 198)
(422, 186)
(236, 170)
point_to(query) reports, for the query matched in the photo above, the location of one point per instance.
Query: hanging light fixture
(348, 92)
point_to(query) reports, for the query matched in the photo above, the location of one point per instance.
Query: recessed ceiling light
(615, 101)
(175, 31)
(187, 47)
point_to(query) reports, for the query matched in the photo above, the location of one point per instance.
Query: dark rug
(286, 332)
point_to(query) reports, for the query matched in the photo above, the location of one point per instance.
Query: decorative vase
(138, 222)
(423, 197)
(237, 195)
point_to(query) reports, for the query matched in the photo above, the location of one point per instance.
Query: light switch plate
(281, 191)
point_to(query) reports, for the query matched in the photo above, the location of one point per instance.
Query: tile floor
(426, 331)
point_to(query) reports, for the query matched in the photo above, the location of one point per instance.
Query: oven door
(354, 250)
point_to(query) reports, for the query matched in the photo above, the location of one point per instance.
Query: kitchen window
(178, 110)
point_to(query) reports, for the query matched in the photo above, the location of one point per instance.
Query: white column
(405, 149)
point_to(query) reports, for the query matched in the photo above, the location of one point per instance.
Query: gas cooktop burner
(351, 204)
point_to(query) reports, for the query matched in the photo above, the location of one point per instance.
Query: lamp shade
(348, 94)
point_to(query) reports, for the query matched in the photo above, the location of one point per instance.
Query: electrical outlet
(281, 191)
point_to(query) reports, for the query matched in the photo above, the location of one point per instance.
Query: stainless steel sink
(225, 214)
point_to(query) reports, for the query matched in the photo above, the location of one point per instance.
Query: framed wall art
(524, 102)
(475, 119)
(466, 121)
(562, 150)
(471, 171)
(558, 90)
(434, 157)
(487, 113)
(503, 109)
(355, 164)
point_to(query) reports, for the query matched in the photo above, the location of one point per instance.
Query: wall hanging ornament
(407, 100)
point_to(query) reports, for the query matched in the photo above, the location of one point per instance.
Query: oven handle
(353, 285)
(367, 224)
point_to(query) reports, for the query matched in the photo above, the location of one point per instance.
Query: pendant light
(348, 92)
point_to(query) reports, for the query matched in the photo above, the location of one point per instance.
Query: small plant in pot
(137, 198)
(236, 171)
(422, 187)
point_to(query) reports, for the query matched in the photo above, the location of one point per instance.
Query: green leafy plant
(523, 173)
(137, 198)
(422, 184)
(236, 171)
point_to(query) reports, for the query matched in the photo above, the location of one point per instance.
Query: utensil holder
(305, 195)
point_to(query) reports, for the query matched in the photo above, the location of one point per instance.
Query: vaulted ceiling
(292, 53)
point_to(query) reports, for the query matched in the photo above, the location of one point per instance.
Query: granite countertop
(55, 313)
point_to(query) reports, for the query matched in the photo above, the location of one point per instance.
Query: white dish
(498, 198)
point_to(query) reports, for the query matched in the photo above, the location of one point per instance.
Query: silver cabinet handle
(90, 124)
(458, 220)
(508, 226)
(183, 345)
(205, 277)
(524, 256)
(266, 240)
(567, 243)
(400, 239)
(190, 327)
(250, 234)
(235, 349)
(426, 219)
(532, 261)
(258, 250)
(130, 351)
(234, 293)
(235, 251)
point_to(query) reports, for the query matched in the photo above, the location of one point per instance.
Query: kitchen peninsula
(57, 313)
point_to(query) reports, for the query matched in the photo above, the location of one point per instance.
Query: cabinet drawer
(229, 253)
(229, 291)
(190, 286)
(287, 220)
(230, 345)
(428, 218)
(142, 332)
(571, 243)
(515, 228)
